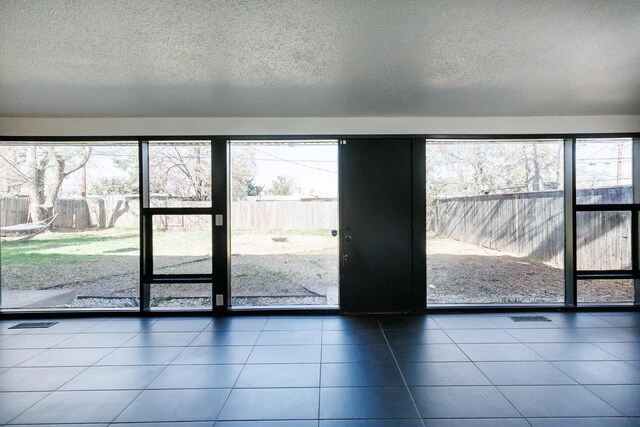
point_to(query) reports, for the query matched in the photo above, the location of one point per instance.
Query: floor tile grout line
(603, 319)
(150, 382)
(555, 365)
(577, 383)
(49, 393)
(57, 389)
(233, 387)
(487, 377)
(320, 374)
(404, 381)
(606, 351)
(388, 345)
(602, 399)
(528, 345)
(169, 364)
(32, 357)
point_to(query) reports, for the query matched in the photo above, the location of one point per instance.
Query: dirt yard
(281, 268)
(463, 273)
(102, 267)
(271, 268)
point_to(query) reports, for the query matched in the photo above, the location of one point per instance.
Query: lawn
(106, 264)
(93, 263)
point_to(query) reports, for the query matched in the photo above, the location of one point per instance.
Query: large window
(180, 174)
(605, 221)
(177, 209)
(70, 226)
(495, 222)
(603, 171)
(182, 244)
(284, 223)
(214, 224)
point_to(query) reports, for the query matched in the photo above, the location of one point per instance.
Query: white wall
(24, 126)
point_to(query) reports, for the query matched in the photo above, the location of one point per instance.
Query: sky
(597, 161)
(313, 167)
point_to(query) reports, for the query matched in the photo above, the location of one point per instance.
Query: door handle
(347, 239)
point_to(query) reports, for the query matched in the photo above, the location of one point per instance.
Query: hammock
(21, 232)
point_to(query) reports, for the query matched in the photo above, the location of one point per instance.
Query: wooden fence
(124, 211)
(523, 224)
(283, 215)
(532, 225)
(13, 210)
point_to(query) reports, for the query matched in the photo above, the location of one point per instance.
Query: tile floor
(440, 370)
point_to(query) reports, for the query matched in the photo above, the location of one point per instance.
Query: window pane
(605, 291)
(90, 256)
(495, 222)
(182, 244)
(603, 240)
(177, 296)
(180, 174)
(603, 171)
(284, 223)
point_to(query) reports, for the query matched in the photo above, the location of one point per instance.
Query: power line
(297, 160)
(294, 162)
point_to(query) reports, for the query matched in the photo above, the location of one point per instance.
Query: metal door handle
(347, 239)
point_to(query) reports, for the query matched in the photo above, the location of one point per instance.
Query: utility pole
(83, 182)
(619, 168)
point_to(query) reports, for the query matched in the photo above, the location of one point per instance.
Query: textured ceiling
(146, 58)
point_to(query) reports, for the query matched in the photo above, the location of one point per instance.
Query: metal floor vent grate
(33, 325)
(529, 319)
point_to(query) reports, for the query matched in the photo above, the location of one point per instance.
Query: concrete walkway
(36, 298)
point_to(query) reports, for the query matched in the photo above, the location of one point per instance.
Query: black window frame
(220, 276)
(633, 208)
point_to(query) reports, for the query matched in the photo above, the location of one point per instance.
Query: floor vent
(529, 319)
(33, 325)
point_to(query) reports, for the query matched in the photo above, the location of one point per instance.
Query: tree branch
(85, 158)
(16, 170)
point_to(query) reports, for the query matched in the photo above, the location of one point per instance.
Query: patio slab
(35, 298)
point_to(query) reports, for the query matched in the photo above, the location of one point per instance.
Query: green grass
(60, 258)
(532, 260)
(282, 233)
(70, 247)
(274, 276)
(182, 242)
(82, 246)
(316, 263)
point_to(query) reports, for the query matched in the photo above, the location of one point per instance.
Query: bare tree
(41, 171)
(43, 188)
(243, 167)
(12, 177)
(532, 166)
(181, 171)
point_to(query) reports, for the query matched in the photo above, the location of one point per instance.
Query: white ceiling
(151, 58)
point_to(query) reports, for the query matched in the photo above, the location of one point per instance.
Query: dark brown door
(376, 225)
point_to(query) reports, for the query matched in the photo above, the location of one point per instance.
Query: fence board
(532, 225)
(124, 211)
(283, 215)
(13, 210)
